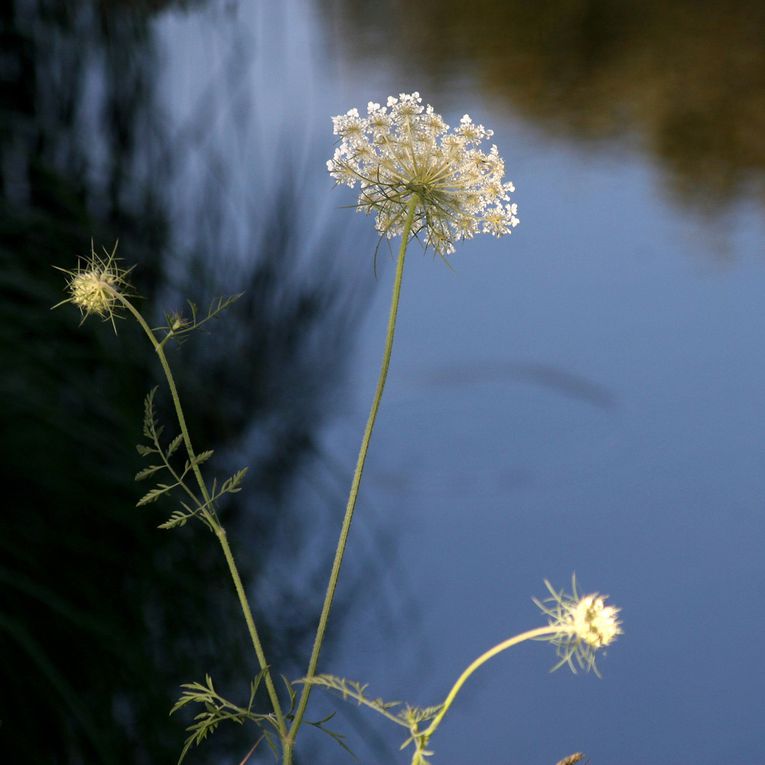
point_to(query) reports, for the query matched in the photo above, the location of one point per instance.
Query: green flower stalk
(578, 626)
(99, 286)
(419, 179)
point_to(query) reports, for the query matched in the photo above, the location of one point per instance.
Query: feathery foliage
(201, 508)
(217, 709)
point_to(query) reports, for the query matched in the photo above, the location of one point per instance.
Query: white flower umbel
(405, 150)
(584, 624)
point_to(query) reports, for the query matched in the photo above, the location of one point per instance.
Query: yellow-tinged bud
(95, 286)
(584, 624)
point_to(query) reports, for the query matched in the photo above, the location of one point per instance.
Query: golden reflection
(682, 79)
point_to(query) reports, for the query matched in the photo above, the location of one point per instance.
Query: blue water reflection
(584, 396)
(655, 497)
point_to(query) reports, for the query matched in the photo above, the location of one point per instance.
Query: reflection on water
(684, 80)
(103, 615)
(558, 380)
(589, 405)
(657, 499)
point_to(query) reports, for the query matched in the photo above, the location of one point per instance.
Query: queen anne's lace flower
(584, 625)
(93, 287)
(404, 150)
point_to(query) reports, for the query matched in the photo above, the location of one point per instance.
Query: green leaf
(181, 518)
(216, 709)
(178, 327)
(145, 451)
(198, 460)
(357, 691)
(149, 415)
(147, 471)
(290, 691)
(174, 444)
(254, 685)
(231, 485)
(154, 494)
(177, 519)
(222, 303)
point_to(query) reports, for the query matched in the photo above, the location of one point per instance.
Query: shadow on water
(683, 80)
(101, 614)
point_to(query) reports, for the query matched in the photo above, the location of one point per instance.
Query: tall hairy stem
(354, 492)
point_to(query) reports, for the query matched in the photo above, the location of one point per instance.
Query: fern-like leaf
(154, 494)
(254, 685)
(173, 445)
(149, 414)
(181, 517)
(199, 459)
(178, 326)
(147, 471)
(232, 485)
(177, 518)
(216, 710)
(290, 692)
(350, 689)
(417, 715)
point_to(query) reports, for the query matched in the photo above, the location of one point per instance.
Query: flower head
(405, 150)
(584, 624)
(94, 286)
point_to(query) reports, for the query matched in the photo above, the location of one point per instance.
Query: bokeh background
(586, 395)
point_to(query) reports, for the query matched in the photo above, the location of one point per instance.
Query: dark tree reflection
(101, 614)
(684, 79)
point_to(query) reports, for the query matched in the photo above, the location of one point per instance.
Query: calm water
(585, 396)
